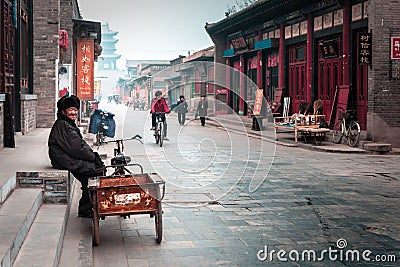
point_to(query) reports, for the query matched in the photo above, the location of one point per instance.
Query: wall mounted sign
(238, 41)
(85, 69)
(364, 48)
(395, 47)
(329, 49)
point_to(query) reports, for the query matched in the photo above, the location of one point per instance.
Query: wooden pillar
(281, 77)
(259, 69)
(309, 58)
(346, 43)
(242, 86)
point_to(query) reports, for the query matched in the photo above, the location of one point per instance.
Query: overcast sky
(156, 29)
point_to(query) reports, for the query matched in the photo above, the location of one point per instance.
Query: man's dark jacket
(68, 150)
(182, 107)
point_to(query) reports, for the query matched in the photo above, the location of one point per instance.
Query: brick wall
(384, 77)
(66, 15)
(28, 113)
(45, 30)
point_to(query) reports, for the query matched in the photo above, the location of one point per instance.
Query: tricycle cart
(121, 194)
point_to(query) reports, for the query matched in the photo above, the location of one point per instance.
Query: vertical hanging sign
(85, 69)
(15, 14)
(364, 48)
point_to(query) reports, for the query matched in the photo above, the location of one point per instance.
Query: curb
(256, 134)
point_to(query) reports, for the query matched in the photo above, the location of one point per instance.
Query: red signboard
(395, 47)
(85, 69)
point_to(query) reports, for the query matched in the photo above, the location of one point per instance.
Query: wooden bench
(307, 126)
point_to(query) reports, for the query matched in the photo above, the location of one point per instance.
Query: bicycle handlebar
(136, 137)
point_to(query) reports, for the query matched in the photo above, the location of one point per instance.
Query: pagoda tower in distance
(108, 58)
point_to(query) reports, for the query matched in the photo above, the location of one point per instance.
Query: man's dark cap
(67, 102)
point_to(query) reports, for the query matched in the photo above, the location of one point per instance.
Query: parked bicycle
(347, 127)
(160, 129)
(102, 124)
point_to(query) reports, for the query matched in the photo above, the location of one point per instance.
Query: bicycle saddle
(120, 159)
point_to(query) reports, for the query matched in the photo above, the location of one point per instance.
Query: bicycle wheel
(157, 134)
(161, 128)
(354, 134)
(337, 132)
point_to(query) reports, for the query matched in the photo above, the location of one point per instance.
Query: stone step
(43, 244)
(77, 243)
(378, 147)
(16, 217)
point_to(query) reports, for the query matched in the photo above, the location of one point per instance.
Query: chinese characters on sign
(395, 47)
(364, 48)
(329, 49)
(238, 42)
(258, 102)
(85, 69)
(63, 37)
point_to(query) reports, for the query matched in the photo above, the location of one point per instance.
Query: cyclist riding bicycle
(158, 104)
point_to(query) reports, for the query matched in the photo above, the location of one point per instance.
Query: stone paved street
(308, 201)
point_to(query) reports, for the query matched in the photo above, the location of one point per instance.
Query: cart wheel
(158, 220)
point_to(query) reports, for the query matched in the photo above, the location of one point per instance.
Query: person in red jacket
(158, 104)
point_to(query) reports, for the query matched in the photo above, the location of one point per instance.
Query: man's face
(71, 113)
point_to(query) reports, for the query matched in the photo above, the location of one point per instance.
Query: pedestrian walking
(69, 151)
(182, 109)
(202, 110)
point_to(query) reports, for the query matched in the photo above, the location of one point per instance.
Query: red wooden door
(329, 75)
(297, 75)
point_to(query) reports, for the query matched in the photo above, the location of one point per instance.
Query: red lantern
(63, 36)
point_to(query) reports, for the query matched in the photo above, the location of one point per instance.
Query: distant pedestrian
(202, 110)
(182, 109)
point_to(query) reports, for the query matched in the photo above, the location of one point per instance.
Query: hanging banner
(85, 69)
